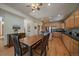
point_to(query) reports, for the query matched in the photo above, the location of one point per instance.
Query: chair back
(44, 44)
(41, 45)
(16, 43)
(47, 38)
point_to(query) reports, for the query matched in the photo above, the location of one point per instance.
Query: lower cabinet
(72, 45)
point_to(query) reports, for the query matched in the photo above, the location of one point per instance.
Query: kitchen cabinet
(76, 21)
(71, 45)
(70, 22)
(76, 18)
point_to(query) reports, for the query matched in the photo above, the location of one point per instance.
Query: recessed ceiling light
(49, 4)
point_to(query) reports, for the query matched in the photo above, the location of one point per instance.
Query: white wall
(1, 26)
(12, 16)
(28, 22)
(9, 21)
(12, 10)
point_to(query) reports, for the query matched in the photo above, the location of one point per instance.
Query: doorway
(1, 33)
(1, 27)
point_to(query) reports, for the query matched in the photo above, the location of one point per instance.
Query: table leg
(30, 51)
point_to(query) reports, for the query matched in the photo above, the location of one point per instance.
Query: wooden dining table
(31, 41)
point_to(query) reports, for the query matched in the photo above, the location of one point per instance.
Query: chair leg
(14, 54)
(45, 52)
(47, 47)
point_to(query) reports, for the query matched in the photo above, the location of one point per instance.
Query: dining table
(31, 41)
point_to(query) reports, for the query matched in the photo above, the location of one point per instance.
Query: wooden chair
(47, 38)
(40, 48)
(19, 48)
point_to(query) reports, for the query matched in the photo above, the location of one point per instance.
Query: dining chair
(47, 40)
(19, 48)
(41, 47)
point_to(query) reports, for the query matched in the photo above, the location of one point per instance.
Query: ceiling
(54, 12)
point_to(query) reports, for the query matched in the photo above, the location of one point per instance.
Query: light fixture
(49, 4)
(36, 6)
(33, 10)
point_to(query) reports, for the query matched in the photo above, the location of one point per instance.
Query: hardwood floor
(4, 51)
(1, 47)
(56, 48)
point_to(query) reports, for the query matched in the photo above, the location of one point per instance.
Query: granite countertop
(72, 36)
(67, 32)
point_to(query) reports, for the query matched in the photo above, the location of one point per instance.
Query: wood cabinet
(76, 21)
(72, 45)
(73, 20)
(53, 25)
(70, 22)
(76, 18)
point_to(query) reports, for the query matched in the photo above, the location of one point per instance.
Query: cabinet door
(67, 43)
(75, 46)
(62, 25)
(67, 23)
(76, 18)
(76, 21)
(72, 45)
(70, 22)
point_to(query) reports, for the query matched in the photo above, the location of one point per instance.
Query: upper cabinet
(76, 18)
(70, 22)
